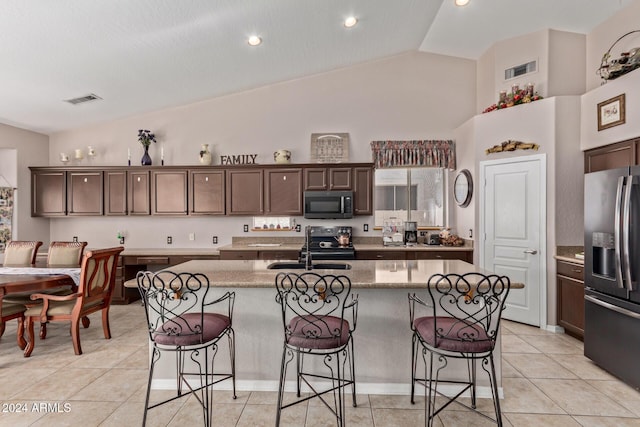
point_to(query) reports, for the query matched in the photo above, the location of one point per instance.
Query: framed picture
(329, 147)
(611, 112)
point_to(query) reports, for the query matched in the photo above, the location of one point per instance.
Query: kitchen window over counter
(411, 194)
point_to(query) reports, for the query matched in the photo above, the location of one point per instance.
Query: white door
(512, 223)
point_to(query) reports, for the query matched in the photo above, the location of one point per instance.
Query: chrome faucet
(307, 238)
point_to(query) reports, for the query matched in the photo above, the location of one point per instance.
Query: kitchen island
(382, 338)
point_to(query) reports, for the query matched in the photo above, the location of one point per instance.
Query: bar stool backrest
(467, 308)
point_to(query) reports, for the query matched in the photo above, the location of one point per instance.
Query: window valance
(436, 153)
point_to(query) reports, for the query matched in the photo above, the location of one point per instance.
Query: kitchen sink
(315, 266)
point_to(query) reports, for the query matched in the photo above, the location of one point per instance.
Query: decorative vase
(205, 155)
(146, 158)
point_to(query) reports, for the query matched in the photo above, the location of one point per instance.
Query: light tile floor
(546, 379)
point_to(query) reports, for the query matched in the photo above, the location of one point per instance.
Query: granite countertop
(568, 254)
(169, 251)
(383, 274)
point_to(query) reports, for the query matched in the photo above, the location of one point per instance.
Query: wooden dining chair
(65, 253)
(460, 319)
(9, 312)
(21, 253)
(97, 279)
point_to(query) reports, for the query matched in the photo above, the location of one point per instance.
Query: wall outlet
(246, 228)
(366, 227)
(75, 238)
(215, 240)
(169, 240)
(192, 236)
(122, 240)
(423, 234)
(298, 228)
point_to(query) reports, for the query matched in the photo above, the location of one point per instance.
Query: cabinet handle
(138, 179)
(206, 179)
(86, 180)
(284, 178)
(576, 270)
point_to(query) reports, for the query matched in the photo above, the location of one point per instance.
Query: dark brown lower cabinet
(570, 280)
(397, 254)
(130, 265)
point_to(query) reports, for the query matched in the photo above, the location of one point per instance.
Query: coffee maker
(410, 233)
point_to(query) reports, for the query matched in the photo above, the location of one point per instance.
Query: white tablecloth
(74, 273)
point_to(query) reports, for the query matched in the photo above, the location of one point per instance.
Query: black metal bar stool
(460, 321)
(313, 315)
(181, 321)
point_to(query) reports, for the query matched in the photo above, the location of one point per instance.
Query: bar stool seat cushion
(185, 330)
(318, 332)
(454, 335)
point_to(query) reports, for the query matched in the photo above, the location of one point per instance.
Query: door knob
(530, 251)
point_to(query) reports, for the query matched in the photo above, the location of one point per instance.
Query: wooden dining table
(20, 280)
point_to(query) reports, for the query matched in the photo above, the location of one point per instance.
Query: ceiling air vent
(520, 70)
(83, 99)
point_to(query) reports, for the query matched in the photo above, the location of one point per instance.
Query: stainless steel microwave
(328, 204)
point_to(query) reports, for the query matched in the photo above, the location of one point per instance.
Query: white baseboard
(554, 328)
(362, 388)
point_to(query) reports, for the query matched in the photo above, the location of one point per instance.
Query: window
(410, 194)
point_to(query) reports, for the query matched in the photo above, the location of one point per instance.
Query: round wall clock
(463, 188)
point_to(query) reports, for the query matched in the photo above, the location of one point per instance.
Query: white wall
(23, 148)
(553, 124)
(604, 36)
(410, 96)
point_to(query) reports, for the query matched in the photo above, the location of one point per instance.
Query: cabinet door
(84, 193)
(394, 254)
(461, 255)
(340, 179)
(207, 192)
(115, 192)
(138, 193)
(283, 191)
(363, 191)
(169, 192)
(610, 157)
(245, 192)
(571, 298)
(316, 179)
(48, 193)
(239, 255)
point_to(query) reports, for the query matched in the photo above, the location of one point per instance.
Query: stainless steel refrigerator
(612, 271)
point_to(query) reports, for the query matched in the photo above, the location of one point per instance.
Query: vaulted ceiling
(145, 55)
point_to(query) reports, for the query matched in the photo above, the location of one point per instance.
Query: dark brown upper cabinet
(138, 193)
(115, 192)
(84, 193)
(245, 192)
(48, 193)
(283, 191)
(612, 156)
(207, 192)
(327, 178)
(363, 190)
(169, 192)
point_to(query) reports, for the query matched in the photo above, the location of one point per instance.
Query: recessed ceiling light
(254, 41)
(350, 21)
(461, 2)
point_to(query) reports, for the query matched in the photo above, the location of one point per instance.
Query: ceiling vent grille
(83, 99)
(520, 70)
